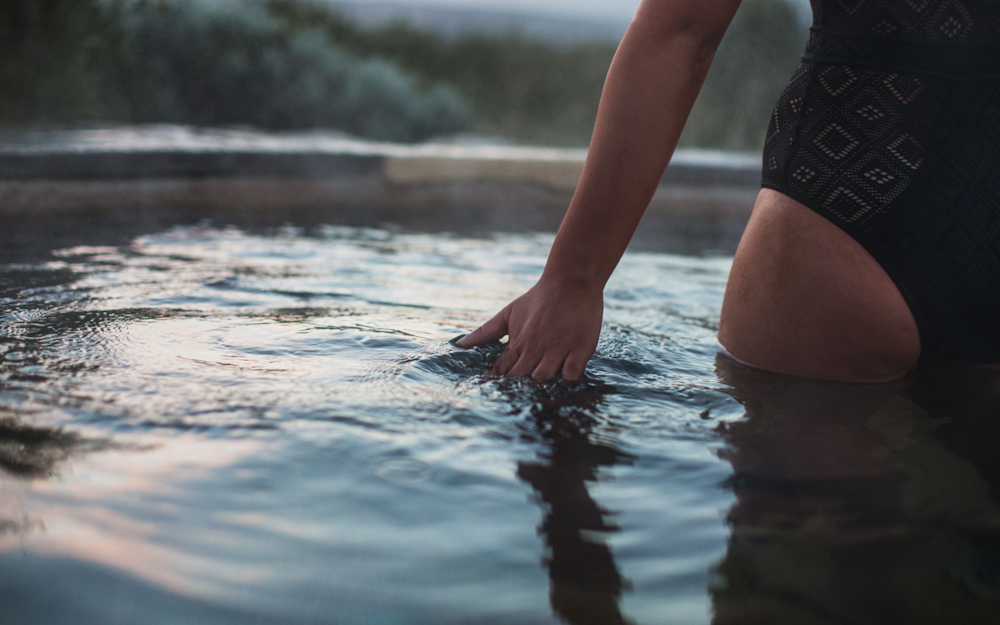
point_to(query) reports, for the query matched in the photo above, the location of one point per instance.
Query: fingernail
(458, 341)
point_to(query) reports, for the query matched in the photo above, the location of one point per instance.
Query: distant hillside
(454, 23)
(369, 69)
(530, 89)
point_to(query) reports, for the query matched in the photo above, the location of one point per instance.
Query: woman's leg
(805, 298)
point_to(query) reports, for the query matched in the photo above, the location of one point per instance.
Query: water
(224, 425)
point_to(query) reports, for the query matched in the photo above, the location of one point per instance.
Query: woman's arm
(653, 82)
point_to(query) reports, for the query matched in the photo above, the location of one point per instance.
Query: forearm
(651, 86)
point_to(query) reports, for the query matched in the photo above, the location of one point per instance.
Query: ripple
(402, 471)
(377, 443)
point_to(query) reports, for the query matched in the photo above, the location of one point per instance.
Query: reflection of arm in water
(586, 585)
(656, 75)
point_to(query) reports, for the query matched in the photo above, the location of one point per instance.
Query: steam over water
(210, 425)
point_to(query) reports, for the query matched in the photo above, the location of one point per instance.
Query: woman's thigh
(805, 298)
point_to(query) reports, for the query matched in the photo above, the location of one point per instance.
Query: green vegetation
(537, 93)
(752, 66)
(236, 64)
(78, 61)
(56, 62)
(288, 64)
(518, 87)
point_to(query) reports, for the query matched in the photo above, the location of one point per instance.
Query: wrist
(572, 279)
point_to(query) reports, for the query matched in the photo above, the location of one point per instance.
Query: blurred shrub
(539, 93)
(518, 87)
(294, 64)
(56, 62)
(206, 64)
(234, 64)
(754, 62)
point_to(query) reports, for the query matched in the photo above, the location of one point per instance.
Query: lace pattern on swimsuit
(926, 20)
(850, 140)
(890, 128)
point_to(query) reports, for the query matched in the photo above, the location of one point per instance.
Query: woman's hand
(552, 329)
(653, 82)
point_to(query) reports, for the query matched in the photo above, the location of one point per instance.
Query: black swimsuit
(890, 129)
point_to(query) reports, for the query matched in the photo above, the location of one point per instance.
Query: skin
(805, 298)
(774, 316)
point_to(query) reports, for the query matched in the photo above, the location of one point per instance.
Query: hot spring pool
(224, 425)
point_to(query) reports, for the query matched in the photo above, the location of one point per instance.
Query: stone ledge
(703, 202)
(178, 152)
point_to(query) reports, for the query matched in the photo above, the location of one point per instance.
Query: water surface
(219, 425)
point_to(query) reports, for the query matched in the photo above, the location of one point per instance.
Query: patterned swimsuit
(890, 128)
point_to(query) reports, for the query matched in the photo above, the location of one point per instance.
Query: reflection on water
(32, 453)
(586, 585)
(862, 503)
(296, 440)
(275, 428)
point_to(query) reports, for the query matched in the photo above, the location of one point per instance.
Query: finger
(506, 361)
(523, 366)
(494, 329)
(575, 366)
(549, 366)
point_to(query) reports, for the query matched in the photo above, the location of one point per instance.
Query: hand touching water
(652, 84)
(552, 329)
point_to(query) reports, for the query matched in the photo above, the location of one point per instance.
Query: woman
(875, 242)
